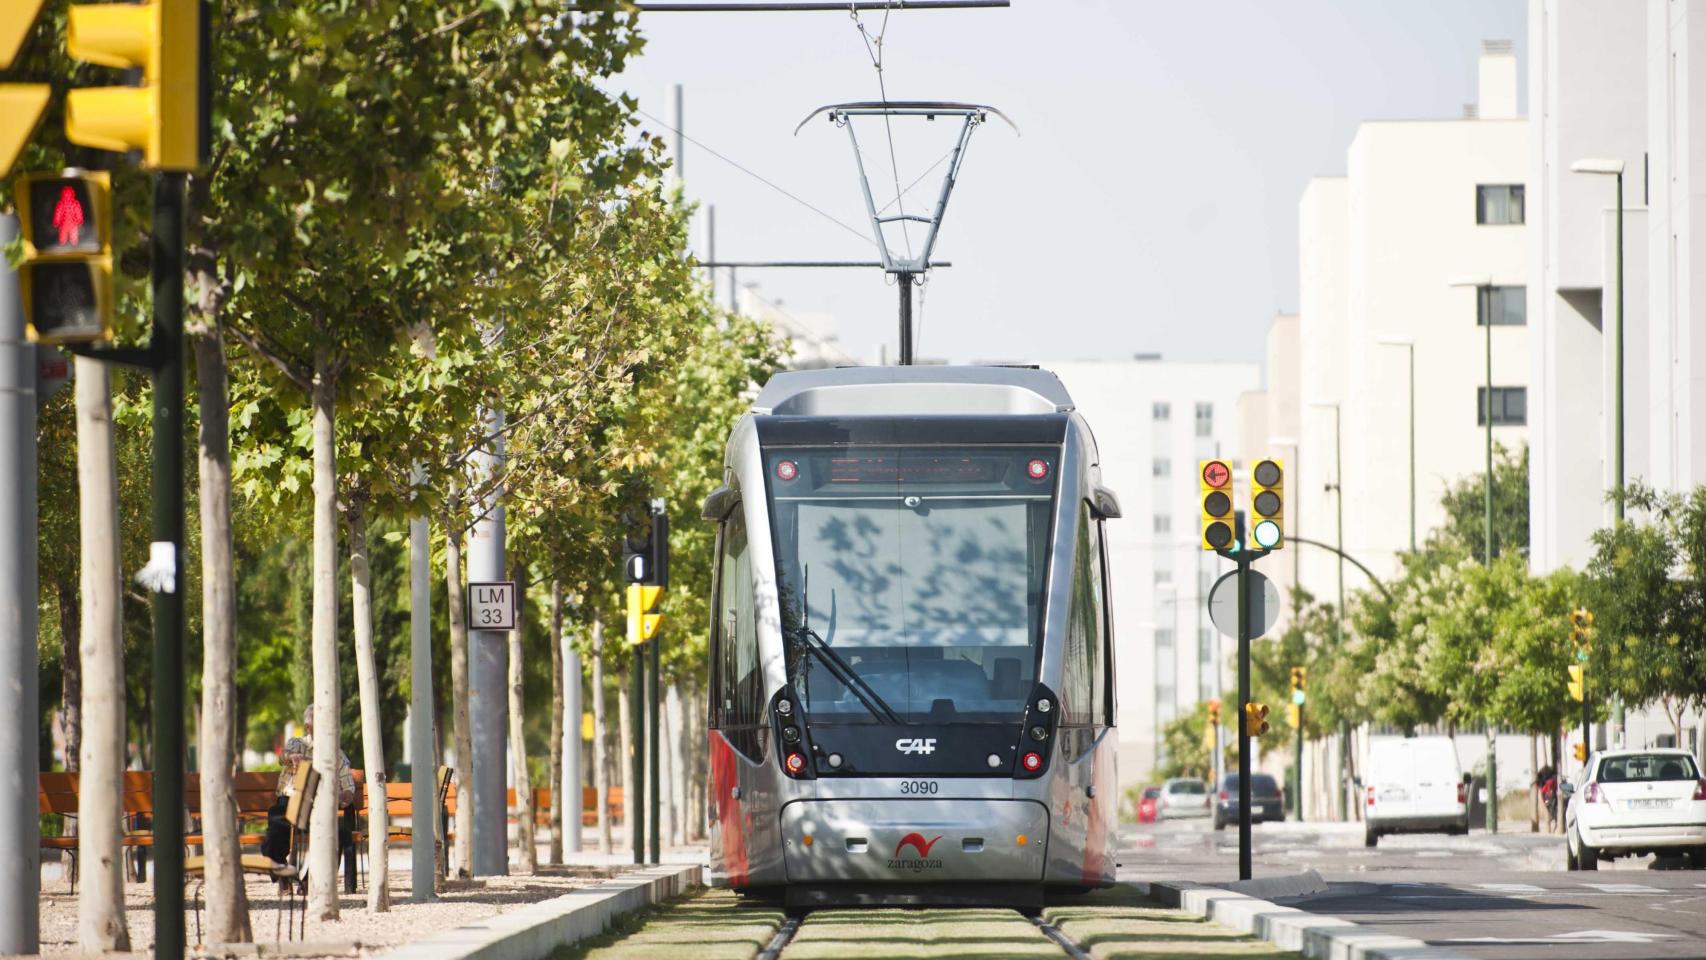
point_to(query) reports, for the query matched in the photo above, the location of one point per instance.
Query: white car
(1182, 797)
(1413, 785)
(1633, 803)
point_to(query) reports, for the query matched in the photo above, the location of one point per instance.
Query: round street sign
(1263, 602)
(1216, 473)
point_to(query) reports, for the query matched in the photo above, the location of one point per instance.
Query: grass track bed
(705, 925)
(1118, 924)
(929, 934)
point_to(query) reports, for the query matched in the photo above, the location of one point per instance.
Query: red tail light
(1463, 793)
(796, 763)
(1371, 796)
(1700, 789)
(1592, 795)
(1223, 795)
(1032, 761)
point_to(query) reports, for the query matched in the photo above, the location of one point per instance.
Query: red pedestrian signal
(65, 281)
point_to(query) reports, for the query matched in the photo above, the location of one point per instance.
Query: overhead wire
(875, 51)
(760, 178)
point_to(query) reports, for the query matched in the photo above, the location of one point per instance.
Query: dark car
(1265, 800)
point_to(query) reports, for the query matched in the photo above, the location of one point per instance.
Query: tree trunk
(227, 900)
(461, 732)
(558, 693)
(323, 829)
(100, 906)
(631, 808)
(600, 752)
(526, 833)
(71, 677)
(372, 738)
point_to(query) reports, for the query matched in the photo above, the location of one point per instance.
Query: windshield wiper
(848, 677)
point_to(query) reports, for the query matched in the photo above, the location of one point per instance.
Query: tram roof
(914, 391)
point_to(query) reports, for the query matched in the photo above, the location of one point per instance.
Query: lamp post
(1410, 347)
(1602, 166)
(1484, 314)
(1337, 488)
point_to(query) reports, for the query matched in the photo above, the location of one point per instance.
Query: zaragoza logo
(923, 861)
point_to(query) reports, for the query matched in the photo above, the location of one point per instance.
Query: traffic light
(1216, 478)
(1299, 681)
(1255, 719)
(165, 117)
(1581, 633)
(1581, 752)
(1214, 712)
(1578, 682)
(21, 104)
(643, 615)
(1293, 715)
(1267, 504)
(1211, 730)
(66, 280)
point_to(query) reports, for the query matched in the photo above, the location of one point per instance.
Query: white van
(1413, 785)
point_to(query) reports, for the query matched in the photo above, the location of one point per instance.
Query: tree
(1465, 504)
(100, 909)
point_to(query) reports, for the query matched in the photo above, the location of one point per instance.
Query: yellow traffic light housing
(1216, 477)
(643, 620)
(1267, 504)
(1299, 679)
(65, 281)
(1578, 682)
(165, 118)
(1255, 719)
(1581, 752)
(1294, 715)
(21, 104)
(1214, 711)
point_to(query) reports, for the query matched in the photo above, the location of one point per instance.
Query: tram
(911, 654)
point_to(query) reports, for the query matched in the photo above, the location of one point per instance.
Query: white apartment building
(1153, 421)
(810, 334)
(1614, 80)
(1412, 252)
(1406, 263)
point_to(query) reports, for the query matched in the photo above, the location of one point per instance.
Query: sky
(1148, 204)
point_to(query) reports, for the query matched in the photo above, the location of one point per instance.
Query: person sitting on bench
(297, 751)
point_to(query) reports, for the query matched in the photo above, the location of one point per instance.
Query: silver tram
(911, 655)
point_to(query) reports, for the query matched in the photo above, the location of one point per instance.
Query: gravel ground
(357, 931)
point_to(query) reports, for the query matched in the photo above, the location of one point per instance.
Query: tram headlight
(1044, 706)
(1032, 762)
(796, 763)
(791, 733)
(784, 707)
(835, 761)
(1039, 733)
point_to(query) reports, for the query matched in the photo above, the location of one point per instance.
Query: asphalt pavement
(1504, 897)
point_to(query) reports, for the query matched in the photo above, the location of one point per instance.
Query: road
(1502, 897)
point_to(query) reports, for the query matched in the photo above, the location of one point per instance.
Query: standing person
(297, 752)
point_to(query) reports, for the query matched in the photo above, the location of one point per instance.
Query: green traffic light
(1267, 534)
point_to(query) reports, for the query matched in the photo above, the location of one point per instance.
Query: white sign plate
(1263, 601)
(491, 606)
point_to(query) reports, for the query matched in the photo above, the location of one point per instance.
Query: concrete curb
(537, 930)
(1313, 935)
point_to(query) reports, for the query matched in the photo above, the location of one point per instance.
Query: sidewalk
(357, 931)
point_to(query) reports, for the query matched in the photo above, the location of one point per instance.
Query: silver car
(1183, 797)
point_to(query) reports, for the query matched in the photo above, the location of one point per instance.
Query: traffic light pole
(654, 779)
(168, 529)
(637, 711)
(1297, 765)
(1243, 560)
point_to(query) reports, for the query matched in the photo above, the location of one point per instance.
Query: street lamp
(1601, 166)
(1338, 489)
(1410, 346)
(1484, 313)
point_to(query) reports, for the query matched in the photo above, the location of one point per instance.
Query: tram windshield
(912, 578)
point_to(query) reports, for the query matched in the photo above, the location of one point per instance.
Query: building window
(1205, 419)
(1510, 406)
(1163, 578)
(1161, 411)
(1507, 306)
(1163, 638)
(1163, 523)
(1499, 203)
(1162, 467)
